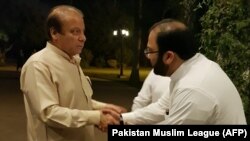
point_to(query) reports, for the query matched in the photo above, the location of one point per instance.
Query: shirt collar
(184, 68)
(75, 60)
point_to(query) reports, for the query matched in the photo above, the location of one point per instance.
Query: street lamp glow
(123, 33)
(115, 32)
(127, 33)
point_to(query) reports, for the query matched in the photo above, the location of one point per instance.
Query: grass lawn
(112, 73)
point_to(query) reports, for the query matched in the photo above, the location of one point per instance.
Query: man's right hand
(107, 119)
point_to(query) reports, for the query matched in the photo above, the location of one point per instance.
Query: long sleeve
(184, 109)
(151, 114)
(41, 93)
(97, 104)
(144, 96)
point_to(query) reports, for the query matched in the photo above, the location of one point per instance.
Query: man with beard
(200, 91)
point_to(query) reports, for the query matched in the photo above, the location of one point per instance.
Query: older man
(57, 95)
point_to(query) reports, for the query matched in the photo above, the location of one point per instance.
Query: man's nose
(82, 37)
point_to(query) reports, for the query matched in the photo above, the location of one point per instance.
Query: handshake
(110, 115)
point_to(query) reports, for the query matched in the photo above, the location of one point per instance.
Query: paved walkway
(13, 120)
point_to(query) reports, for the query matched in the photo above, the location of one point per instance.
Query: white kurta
(152, 89)
(200, 93)
(57, 98)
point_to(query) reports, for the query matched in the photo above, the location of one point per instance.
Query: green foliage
(127, 55)
(225, 39)
(112, 63)
(87, 57)
(3, 37)
(24, 21)
(100, 62)
(101, 18)
(188, 6)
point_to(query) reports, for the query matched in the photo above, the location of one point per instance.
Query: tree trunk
(134, 76)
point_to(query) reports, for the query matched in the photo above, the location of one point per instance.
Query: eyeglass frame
(147, 51)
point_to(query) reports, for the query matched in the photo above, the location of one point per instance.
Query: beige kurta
(57, 98)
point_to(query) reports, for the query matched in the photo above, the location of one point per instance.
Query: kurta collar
(184, 68)
(75, 60)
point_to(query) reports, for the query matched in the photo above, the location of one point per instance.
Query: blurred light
(125, 32)
(115, 32)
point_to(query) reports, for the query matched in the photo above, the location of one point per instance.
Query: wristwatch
(121, 120)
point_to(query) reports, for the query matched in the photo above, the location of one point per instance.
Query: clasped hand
(110, 115)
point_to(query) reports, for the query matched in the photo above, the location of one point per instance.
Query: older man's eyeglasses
(147, 51)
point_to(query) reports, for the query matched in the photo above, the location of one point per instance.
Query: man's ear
(168, 57)
(53, 33)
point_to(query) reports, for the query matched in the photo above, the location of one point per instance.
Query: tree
(225, 39)
(102, 17)
(134, 76)
(24, 23)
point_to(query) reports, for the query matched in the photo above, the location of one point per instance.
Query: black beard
(160, 68)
